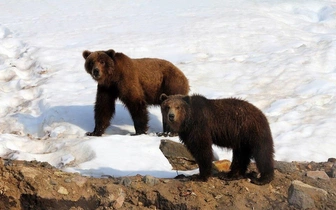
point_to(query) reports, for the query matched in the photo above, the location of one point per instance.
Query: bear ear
(110, 53)
(163, 97)
(186, 99)
(86, 54)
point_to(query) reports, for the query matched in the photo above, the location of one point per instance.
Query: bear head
(100, 65)
(175, 110)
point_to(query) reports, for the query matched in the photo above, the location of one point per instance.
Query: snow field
(280, 56)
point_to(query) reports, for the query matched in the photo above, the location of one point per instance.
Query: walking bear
(136, 82)
(230, 123)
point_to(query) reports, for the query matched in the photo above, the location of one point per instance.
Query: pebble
(63, 191)
(218, 196)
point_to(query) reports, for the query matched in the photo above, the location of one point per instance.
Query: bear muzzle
(95, 73)
(171, 117)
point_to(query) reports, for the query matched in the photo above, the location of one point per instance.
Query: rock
(150, 180)
(285, 167)
(333, 171)
(79, 180)
(221, 166)
(317, 175)
(178, 155)
(63, 191)
(19, 191)
(125, 181)
(304, 196)
(218, 197)
(120, 200)
(333, 160)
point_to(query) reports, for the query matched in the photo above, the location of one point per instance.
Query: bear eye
(102, 62)
(177, 107)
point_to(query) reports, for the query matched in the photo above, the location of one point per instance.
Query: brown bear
(136, 82)
(230, 123)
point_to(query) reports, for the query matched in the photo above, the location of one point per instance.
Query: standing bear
(136, 82)
(230, 123)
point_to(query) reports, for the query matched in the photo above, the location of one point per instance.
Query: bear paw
(92, 134)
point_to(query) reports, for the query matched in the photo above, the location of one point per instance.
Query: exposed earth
(36, 185)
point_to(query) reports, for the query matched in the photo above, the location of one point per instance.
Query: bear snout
(171, 117)
(95, 73)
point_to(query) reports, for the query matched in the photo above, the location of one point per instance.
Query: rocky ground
(36, 185)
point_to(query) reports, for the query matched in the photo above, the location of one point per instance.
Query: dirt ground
(35, 185)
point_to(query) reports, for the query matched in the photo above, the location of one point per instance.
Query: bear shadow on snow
(80, 116)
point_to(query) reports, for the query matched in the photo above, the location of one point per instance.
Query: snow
(279, 55)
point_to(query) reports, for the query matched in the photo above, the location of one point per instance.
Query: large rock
(178, 155)
(285, 167)
(304, 196)
(317, 175)
(181, 159)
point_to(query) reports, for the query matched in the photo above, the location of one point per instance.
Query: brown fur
(136, 82)
(230, 123)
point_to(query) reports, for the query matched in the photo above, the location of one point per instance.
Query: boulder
(304, 196)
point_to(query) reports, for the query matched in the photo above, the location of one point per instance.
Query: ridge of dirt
(38, 185)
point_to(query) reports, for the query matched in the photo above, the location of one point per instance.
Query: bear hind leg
(265, 164)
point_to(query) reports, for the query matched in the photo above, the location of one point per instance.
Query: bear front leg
(201, 150)
(205, 166)
(139, 113)
(240, 160)
(166, 128)
(104, 109)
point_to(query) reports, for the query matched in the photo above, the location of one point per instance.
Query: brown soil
(35, 185)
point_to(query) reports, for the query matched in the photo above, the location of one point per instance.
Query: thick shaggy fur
(136, 82)
(230, 123)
